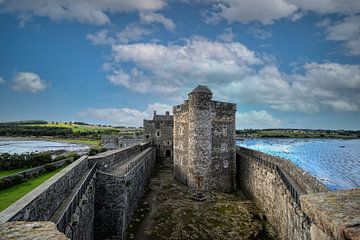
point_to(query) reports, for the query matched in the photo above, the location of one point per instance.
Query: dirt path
(168, 212)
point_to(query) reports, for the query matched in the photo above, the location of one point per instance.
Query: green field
(10, 195)
(86, 141)
(9, 172)
(297, 133)
(87, 128)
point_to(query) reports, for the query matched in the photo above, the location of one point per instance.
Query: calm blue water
(19, 146)
(335, 162)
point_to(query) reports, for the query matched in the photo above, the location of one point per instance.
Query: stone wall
(109, 205)
(270, 194)
(117, 197)
(307, 182)
(204, 142)
(334, 215)
(107, 160)
(41, 203)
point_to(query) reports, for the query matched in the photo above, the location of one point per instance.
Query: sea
(335, 162)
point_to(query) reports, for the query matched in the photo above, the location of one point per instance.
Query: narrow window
(158, 134)
(168, 153)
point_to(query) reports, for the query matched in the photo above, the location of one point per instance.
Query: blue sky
(285, 63)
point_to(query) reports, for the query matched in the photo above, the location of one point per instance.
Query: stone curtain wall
(41, 203)
(107, 160)
(83, 219)
(135, 182)
(117, 197)
(263, 183)
(270, 194)
(109, 206)
(307, 182)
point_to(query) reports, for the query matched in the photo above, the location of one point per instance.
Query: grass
(87, 128)
(9, 172)
(86, 141)
(10, 195)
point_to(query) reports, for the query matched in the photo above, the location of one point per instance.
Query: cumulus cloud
(347, 32)
(151, 17)
(256, 119)
(256, 10)
(28, 82)
(266, 12)
(124, 116)
(84, 11)
(169, 67)
(236, 73)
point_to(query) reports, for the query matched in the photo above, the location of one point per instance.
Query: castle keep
(204, 142)
(159, 131)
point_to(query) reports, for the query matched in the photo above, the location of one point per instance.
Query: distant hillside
(297, 133)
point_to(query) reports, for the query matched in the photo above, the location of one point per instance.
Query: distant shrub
(94, 151)
(11, 180)
(27, 160)
(50, 167)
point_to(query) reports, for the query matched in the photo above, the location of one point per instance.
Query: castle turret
(204, 142)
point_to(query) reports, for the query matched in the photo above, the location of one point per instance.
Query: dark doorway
(167, 153)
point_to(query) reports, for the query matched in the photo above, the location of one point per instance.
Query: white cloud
(236, 73)
(124, 116)
(2, 81)
(263, 11)
(257, 31)
(28, 82)
(132, 32)
(100, 38)
(227, 35)
(84, 11)
(328, 6)
(256, 119)
(266, 12)
(169, 67)
(151, 17)
(347, 32)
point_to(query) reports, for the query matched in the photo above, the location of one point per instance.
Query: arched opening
(167, 153)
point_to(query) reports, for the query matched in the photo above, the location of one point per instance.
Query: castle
(159, 132)
(201, 136)
(96, 197)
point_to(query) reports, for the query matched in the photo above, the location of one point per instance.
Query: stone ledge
(335, 213)
(30, 230)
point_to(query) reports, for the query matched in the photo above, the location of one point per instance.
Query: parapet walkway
(122, 168)
(58, 213)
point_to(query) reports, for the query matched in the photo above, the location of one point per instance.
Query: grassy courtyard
(168, 212)
(10, 195)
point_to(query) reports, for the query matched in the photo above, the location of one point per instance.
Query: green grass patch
(12, 171)
(86, 141)
(10, 195)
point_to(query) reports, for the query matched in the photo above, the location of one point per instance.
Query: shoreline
(63, 140)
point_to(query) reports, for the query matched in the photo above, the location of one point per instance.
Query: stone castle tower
(159, 131)
(204, 142)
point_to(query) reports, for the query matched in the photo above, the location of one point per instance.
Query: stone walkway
(168, 212)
